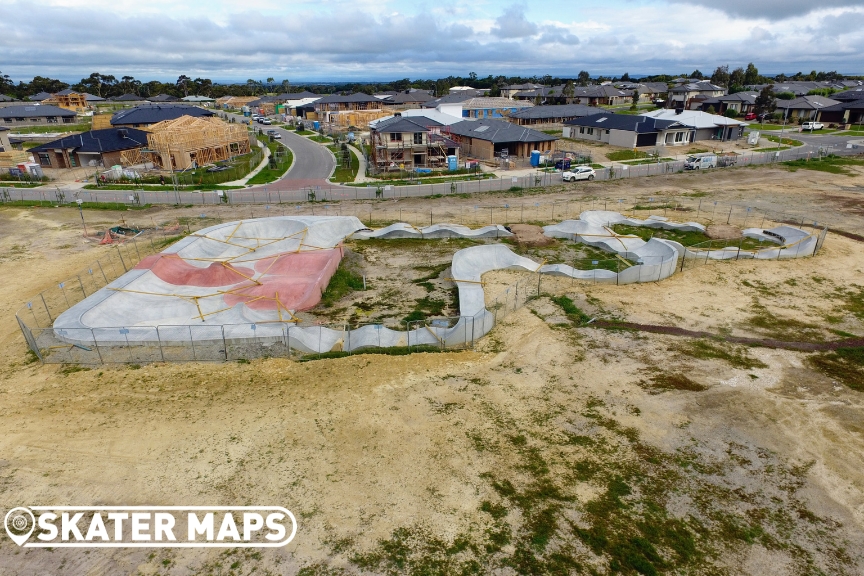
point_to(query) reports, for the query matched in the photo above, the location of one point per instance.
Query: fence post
(224, 343)
(82, 286)
(159, 340)
(192, 342)
(96, 346)
(50, 319)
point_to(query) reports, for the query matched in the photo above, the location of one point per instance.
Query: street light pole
(79, 201)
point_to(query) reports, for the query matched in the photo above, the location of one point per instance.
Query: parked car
(274, 134)
(812, 126)
(699, 162)
(750, 116)
(578, 173)
(266, 121)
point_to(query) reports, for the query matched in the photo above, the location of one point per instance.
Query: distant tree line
(107, 85)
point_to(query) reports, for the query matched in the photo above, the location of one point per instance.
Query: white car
(578, 173)
(812, 126)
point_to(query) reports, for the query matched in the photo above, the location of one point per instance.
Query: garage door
(646, 139)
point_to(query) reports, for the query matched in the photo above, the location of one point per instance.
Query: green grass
(573, 312)
(304, 132)
(762, 127)
(158, 187)
(4, 184)
(773, 149)
(341, 283)
(687, 238)
(50, 129)
(736, 356)
(269, 173)
(786, 141)
(648, 161)
(671, 381)
(483, 176)
(854, 133)
(626, 155)
(844, 365)
(832, 164)
(345, 172)
(391, 351)
(84, 205)
(320, 139)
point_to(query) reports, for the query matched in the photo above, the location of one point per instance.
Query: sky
(339, 40)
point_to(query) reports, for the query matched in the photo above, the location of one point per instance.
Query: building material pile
(13, 158)
(185, 142)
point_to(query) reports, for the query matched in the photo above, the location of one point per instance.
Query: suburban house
(553, 115)
(329, 108)
(509, 90)
(163, 98)
(408, 142)
(128, 99)
(7, 101)
(690, 96)
(39, 97)
(850, 95)
(848, 112)
(740, 102)
(606, 95)
(35, 115)
(805, 107)
(91, 99)
(93, 148)
(704, 126)
(648, 91)
(487, 139)
(801, 88)
(629, 131)
(486, 107)
(235, 101)
(411, 98)
(145, 115)
(68, 99)
(205, 100)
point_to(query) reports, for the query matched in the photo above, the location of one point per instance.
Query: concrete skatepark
(244, 281)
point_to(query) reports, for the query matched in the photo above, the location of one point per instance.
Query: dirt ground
(553, 447)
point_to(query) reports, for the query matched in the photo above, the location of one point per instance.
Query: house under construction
(187, 142)
(409, 142)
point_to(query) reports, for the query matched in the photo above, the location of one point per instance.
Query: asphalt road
(313, 163)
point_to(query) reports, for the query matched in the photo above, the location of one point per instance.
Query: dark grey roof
(40, 96)
(5, 98)
(404, 97)
(806, 103)
(628, 122)
(839, 107)
(92, 98)
(39, 111)
(107, 140)
(556, 111)
(498, 131)
(127, 98)
(153, 113)
(697, 87)
(748, 97)
(854, 94)
(406, 124)
(297, 95)
(358, 97)
(67, 92)
(164, 98)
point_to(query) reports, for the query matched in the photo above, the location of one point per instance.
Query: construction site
(672, 386)
(189, 142)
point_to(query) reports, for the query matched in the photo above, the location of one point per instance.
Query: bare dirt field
(554, 447)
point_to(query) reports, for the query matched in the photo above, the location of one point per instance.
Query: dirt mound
(530, 235)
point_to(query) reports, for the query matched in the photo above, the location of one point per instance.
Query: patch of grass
(845, 365)
(784, 141)
(831, 164)
(276, 168)
(341, 283)
(671, 381)
(619, 155)
(67, 369)
(51, 128)
(687, 238)
(648, 161)
(573, 312)
(346, 171)
(775, 326)
(734, 355)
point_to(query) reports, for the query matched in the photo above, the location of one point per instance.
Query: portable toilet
(316, 125)
(452, 162)
(535, 158)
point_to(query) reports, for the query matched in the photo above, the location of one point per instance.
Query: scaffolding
(186, 142)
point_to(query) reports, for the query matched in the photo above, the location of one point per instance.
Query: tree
(625, 77)
(711, 109)
(183, 84)
(569, 90)
(697, 74)
(765, 102)
(730, 113)
(721, 76)
(635, 99)
(6, 84)
(583, 78)
(285, 85)
(751, 75)
(736, 78)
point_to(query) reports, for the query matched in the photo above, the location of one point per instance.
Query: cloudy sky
(383, 39)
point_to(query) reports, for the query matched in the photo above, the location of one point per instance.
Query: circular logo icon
(19, 524)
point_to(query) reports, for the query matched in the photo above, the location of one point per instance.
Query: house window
(581, 130)
(418, 138)
(395, 137)
(35, 119)
(679, 137)
(44, 159)
(51, 119)
(68, 120)
(8, 120)
(590, 131)
(19, 119)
